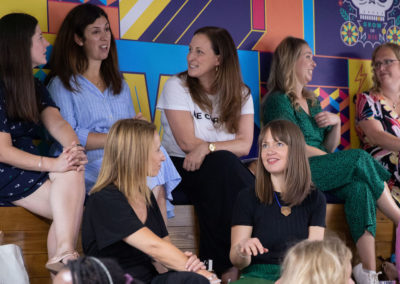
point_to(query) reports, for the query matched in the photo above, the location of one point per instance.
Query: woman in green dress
(350, 175)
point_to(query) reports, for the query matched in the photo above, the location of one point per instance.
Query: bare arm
(378, 136)
(316, 233)
(243, 246)
(325, 119)
(181, 123)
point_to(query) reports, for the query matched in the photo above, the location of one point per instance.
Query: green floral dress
(351, 175)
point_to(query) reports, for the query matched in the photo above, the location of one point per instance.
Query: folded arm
(376, 135)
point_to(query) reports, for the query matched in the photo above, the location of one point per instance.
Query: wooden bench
(30, 233)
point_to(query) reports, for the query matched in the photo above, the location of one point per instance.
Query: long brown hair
(68, 59)
(126, 158)
(282, 76)
(376, 85)
(22, 101)
(228, 83)
(297, 173)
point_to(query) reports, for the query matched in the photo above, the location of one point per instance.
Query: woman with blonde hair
(317, 262)
(283, 209)
(351, 175)
(122, 219)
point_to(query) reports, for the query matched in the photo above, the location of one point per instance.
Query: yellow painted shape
(145, 20)
(317, 92)
(335, 94)
(125, 6)
(360, 80)
(157, 116)
(36, 8)
(51, 38)
(137, 85)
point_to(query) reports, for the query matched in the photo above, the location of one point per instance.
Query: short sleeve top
(108, 219)
(275, 231)
(176, 96)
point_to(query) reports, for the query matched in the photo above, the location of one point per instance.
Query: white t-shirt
(175, 96)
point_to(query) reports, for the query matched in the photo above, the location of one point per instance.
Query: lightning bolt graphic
(360, 77)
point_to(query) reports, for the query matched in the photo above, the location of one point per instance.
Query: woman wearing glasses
(378, 120)
(351, 175)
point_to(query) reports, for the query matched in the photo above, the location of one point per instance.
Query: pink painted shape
(258, 14)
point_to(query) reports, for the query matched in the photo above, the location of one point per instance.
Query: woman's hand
(193, 263)
(209, 275)
(73, 158)
(195, 158)
(325, 118)
(249, 247)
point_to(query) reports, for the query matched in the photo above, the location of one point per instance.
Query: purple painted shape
(329, 18)
(251, 40)
(330, 72)
(233, 15)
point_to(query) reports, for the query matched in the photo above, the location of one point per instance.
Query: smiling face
(304, 66)
(156, 156)
(274, 154)
(201, 59)
(38, 48)
(388, 73)
(97, 39)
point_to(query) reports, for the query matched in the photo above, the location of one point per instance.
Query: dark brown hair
(282, 75)
(68, 59)
(297, 174)
(16, 32)
(376, 86)
(228, 83)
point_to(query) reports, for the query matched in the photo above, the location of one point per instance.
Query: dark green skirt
(260, 274)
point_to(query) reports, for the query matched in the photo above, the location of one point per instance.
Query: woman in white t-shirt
(207, 115)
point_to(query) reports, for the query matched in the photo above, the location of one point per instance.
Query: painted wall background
(152, 38)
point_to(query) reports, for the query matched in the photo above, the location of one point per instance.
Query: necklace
(285, 210)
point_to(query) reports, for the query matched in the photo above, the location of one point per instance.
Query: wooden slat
(19, 219)
(184, 216)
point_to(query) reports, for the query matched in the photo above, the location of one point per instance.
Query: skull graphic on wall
(373, 9)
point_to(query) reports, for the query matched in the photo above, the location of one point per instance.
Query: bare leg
(366, 249)
(67, 194)
(388, 207)
(159, 194)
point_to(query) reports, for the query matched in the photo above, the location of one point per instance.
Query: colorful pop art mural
(152, 38)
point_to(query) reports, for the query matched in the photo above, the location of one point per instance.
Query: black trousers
(213, 190)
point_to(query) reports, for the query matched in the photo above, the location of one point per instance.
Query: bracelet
(40, 162)
(79, 145)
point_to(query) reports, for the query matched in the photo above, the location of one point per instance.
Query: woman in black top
(122, 219)
(282, 210)
(50, 187)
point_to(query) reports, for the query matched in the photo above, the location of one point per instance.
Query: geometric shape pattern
(336, 100)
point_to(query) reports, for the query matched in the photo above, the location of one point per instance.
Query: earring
(216, 68)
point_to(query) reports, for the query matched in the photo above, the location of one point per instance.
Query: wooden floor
(30, 232)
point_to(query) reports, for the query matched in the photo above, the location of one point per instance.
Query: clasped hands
(194, 264)
(72, 158)
(249, 247)
(194, 159)
(326, 118)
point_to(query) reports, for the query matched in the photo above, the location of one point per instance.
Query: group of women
(245, 223)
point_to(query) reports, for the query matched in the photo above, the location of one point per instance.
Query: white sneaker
(363, 276)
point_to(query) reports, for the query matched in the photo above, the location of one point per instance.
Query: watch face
(211, 147)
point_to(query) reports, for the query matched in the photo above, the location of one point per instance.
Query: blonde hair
(297, 173)
(376, 85)
(282, 76)
(317, 262)
(126, 158)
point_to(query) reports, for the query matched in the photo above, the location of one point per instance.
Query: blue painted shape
(308, 22)
(334, 104)
(155, 59)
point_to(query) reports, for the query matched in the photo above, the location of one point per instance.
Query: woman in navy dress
(50, 187)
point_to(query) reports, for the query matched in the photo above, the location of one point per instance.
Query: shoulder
(278, 97)
(175, 83)
(316, 197)
(109, 193)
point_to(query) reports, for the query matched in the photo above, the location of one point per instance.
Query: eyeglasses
(383, 63)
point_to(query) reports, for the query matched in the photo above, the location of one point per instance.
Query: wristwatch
(211, 147)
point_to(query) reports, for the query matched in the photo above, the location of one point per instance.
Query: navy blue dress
(16, 183)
